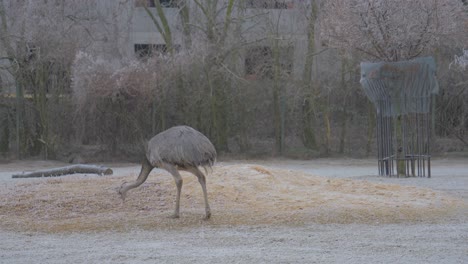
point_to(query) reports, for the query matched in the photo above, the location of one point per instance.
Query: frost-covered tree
(39, 39)
(461, 60)
(392, 30)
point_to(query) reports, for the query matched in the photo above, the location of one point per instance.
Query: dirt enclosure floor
(274, 211)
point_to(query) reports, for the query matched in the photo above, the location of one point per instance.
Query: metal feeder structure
(402, 95)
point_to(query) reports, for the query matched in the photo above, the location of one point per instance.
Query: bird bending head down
(178, 148)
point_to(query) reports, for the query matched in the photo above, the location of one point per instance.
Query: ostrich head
(123, 191)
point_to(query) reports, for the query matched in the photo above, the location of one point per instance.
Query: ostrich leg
(202, 180)
(146, 168)
(178, 181)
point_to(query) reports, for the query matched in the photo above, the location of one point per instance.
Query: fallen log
(78, 168)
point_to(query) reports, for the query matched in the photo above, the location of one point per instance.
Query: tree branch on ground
(68, 170)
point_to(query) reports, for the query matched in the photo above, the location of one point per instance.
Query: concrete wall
(260, 26)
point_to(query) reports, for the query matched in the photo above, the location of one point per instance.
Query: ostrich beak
(121, 192)
(122, 195)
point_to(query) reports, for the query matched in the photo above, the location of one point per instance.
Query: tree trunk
(370, 127)
(326, 120)
(185, 17)
(344, 126)
(278, 93)
(308, 104)
(19, 119)
(308, 124)
(344, 112)
(79, 168)
(162, 28)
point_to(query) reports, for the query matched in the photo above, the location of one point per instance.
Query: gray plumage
(178, 148)
(182, 146)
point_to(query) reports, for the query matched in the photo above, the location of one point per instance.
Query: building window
(150, 50)
(270, 4)
(151, 3)
(260, 62)
(147, 3)
(169, 3)
(143, 50)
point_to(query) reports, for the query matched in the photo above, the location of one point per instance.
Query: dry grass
(239, 195)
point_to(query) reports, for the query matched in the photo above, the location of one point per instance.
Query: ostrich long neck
(129, 186)
(145, 171)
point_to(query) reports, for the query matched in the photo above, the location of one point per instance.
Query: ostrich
(178, 148)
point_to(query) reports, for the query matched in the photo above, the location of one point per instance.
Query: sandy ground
(426, 241)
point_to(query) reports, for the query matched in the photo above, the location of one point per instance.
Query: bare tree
(113, 99)
(308, 104)
(391, 30)
(461, 60)
(257, 77)
(41, 39)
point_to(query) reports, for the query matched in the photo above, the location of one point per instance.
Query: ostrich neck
(129, 186)
(145, 171)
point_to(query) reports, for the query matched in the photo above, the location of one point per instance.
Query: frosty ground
(442, 241)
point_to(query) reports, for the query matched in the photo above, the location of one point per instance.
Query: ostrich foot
(173, 216)
(207, 216)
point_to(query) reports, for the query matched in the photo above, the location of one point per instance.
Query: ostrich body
(178, 148)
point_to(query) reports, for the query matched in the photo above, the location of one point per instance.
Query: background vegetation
(76, 91)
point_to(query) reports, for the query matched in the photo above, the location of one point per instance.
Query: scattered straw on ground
(238, 194)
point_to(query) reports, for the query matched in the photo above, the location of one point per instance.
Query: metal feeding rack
(402, 94)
